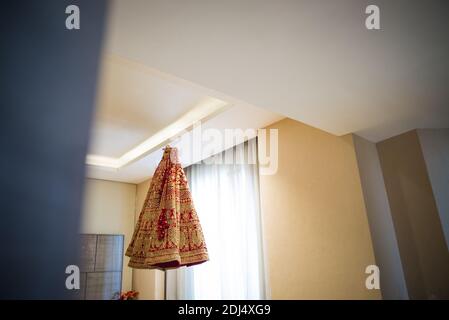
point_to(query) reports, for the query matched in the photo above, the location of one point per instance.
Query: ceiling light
(203, 111)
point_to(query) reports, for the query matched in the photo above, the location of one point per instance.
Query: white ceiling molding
(235, 117)
(206, 109)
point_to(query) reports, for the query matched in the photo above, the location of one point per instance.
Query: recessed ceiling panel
(133, 104)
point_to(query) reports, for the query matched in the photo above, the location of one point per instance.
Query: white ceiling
(236, 117)
(135, 103)
(313, 61)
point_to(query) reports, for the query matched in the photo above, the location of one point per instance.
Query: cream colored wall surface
(149, 283)
(109, 209)
(423, 249)
(315, 222)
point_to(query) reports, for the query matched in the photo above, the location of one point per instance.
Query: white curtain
(226, 197)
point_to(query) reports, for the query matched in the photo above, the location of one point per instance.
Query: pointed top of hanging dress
(170, 153)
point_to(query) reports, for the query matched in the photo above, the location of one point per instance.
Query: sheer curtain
(226, 197)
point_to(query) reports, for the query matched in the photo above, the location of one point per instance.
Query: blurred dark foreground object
(47, 88)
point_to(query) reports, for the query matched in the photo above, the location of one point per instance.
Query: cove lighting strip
(204, 110)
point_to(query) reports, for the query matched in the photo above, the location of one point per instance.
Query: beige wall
(149, 283)
(109, 209)
(315, 224)
(424, 254)
(113, 208)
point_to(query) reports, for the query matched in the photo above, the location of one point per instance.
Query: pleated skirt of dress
(168, 233)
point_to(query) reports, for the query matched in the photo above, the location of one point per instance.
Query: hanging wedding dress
(168, 233)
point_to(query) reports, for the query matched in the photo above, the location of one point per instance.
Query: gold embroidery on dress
(168, 233)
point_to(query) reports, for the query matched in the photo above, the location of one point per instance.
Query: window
(226, 197)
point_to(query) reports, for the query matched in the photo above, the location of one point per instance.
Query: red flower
(129, 295)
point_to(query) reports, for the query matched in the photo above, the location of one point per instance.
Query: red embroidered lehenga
(168, 233)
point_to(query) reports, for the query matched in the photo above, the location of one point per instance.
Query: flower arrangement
(129, 295)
